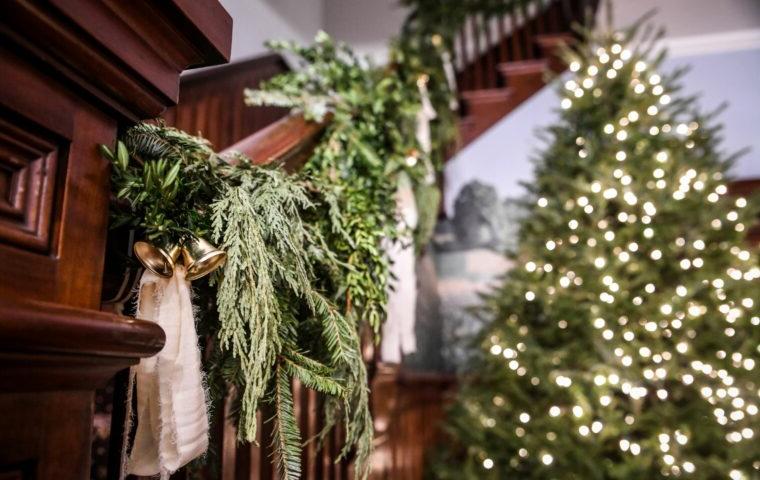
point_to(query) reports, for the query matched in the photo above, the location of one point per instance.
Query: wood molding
(31, 326)
(212, 101)
(128, 55)
(289, 140)
(73, 72)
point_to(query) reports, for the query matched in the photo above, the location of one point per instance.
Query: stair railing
(510, 31)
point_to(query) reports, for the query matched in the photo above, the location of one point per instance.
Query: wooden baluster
(490, 63)
(526, 27)
(593, 6)
(515, 35)
(583, 13)
(566, 12)
(554, 14)
(540, 17)
(466, 79)
(503, 46)
(477, 63)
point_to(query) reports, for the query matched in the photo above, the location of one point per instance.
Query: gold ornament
(159, 260)
(199, 256)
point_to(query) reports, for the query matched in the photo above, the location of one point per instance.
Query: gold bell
(201, 258)
(159, 260)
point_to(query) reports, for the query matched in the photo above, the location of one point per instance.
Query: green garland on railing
(368, 142)
(306, 267)
(270, 321)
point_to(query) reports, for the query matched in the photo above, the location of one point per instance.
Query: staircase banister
(289, 141)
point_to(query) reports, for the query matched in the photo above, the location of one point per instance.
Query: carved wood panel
(54, 190)
(71, 71)
(28, 164)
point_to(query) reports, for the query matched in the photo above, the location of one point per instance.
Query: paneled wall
(211, 101)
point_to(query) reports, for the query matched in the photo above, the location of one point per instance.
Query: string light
(621, 231)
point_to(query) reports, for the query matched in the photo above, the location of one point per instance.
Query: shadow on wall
(306, 17)
(468, 255)
(365, 24)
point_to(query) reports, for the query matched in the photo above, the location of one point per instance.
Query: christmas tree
(624, 343)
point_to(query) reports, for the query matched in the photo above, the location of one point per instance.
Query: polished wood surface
(502, 59)
(408, 409)
(211, 101)
(74, 72)
(288, 141)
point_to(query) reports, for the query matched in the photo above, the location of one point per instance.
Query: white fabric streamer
(451, 79)
(424, 115)
(172, 418)
(398, 330)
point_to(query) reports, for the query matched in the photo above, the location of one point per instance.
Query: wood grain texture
(288, 141)
(211, 101)
(127, 54)
(527, 46)
(408, 409)
(73, 70)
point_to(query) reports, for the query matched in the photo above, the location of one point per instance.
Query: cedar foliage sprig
(270, 322)
(366, 145)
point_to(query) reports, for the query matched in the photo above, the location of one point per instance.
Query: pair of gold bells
(199, 257)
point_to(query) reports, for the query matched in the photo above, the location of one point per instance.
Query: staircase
(503, 59)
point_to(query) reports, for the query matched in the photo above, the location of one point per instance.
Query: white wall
(367, 25)
(684, 18)
(255, 21)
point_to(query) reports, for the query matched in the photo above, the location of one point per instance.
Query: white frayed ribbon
(399, 337)
(425, 114)
(451, 79)
(172, 417)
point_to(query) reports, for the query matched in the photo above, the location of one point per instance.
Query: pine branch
(286, 441)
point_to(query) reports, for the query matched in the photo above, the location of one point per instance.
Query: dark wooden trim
(73, 73)
(747, 186)
(127, 55)
(28, 326)
(219, 73)
(289, 140)
(212, 101)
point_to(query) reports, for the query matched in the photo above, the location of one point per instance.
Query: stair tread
(555, 38)
(537, 65)
(487, 94)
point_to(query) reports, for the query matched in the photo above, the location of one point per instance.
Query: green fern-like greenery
(271, 322)
(306, 269)
(367, 144)
(268, 273)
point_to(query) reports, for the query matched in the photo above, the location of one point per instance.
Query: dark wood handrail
(289, 141)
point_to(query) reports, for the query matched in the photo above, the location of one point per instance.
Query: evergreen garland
(367, 144)
(306, 267)
(269, 321)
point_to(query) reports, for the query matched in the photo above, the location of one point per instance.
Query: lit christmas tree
(624, 343)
